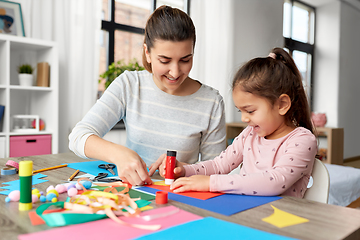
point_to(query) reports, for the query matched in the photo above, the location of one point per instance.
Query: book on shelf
(2, 113)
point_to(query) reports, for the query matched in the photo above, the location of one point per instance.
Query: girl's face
(258, 112)
(171, 63)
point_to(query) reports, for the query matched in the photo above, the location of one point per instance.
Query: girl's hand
(200, 183)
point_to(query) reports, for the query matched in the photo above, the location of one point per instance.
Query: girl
(277, 149)
(162, 107)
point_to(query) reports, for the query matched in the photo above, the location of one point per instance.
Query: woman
(162, 107)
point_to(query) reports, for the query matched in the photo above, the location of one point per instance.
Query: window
(298, 31)
(123, 26)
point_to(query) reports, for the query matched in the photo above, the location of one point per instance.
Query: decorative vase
(26, 79)
(319, 119)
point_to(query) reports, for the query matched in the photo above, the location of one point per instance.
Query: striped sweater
(156, 121)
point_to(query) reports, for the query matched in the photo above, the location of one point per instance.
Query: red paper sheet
(198, 195)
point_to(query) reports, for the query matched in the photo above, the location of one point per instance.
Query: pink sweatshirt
(270, 167)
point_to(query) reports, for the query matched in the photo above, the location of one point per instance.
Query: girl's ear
(147, 53)
(284, 102)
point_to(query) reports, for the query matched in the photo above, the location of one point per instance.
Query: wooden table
(326, 221)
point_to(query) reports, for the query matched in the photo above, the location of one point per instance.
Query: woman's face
(171, 63)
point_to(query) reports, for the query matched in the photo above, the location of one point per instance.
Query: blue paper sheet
(15, 185)
(226, 204)
(91, 167)
(211, 228)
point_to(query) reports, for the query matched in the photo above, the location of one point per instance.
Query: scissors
(101, 177)
(108, 167)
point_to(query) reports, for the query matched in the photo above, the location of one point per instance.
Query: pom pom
(86, 184)
(14, 195)
(50, 196)
(54, 199)
(49, 188)
(42, 193)
(34, 198)
(42, 198)
(71, 185)
(53, 191)
(72, 192)
(7, 199)
(78, 186)
(35, 192)
(60, 188)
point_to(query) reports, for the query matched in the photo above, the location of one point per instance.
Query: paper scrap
(282, 219)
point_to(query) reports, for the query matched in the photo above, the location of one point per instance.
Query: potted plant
(25, 75)
(115, 69)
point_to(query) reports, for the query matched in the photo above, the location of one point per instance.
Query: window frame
(110, 26)
(295, 45)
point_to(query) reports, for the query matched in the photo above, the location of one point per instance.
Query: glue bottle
(170, 166)
(25, 175)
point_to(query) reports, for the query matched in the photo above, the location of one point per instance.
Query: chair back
(319, 191)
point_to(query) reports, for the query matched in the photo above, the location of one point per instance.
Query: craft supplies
(49, 168)
(170, 166)
(161, 197)
(25, 175)
(8, 171)
(73, 175)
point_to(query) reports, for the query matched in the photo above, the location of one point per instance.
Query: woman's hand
(160, 164)
(130, 167)
(200, 183)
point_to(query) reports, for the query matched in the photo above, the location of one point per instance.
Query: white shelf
(25, 100)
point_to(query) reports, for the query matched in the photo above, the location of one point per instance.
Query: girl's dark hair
(170, 24)
(275, 75)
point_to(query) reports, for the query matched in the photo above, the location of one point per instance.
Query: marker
(170, 166)
(25, 175)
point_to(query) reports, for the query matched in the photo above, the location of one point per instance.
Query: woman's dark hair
(170, 24)
(275, 75)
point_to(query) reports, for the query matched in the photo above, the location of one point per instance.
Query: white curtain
(75, 26)
(214, 50)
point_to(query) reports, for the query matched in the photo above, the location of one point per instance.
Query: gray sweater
(156, 121)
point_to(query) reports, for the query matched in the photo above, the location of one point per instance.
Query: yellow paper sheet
(160, 183)
(282, 219)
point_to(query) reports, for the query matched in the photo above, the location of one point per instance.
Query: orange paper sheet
(199, 195)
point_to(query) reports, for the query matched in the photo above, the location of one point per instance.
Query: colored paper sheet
(198, 195)
(37, 220)
(110, 229)
(15, 185)
(199, 229)
(282, 219)
(91, 167)
(132, 192)
(226, 204)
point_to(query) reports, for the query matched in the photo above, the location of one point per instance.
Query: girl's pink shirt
(270, 167)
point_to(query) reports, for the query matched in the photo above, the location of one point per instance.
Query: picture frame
(11, 19)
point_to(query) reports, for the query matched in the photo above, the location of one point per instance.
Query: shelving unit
(32, 100)
(334, 137)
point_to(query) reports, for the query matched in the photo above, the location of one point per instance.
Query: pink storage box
(29, 145)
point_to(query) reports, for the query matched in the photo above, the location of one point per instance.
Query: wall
(229, 33)
(349, 78)
(336, 77)
(257, 29)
